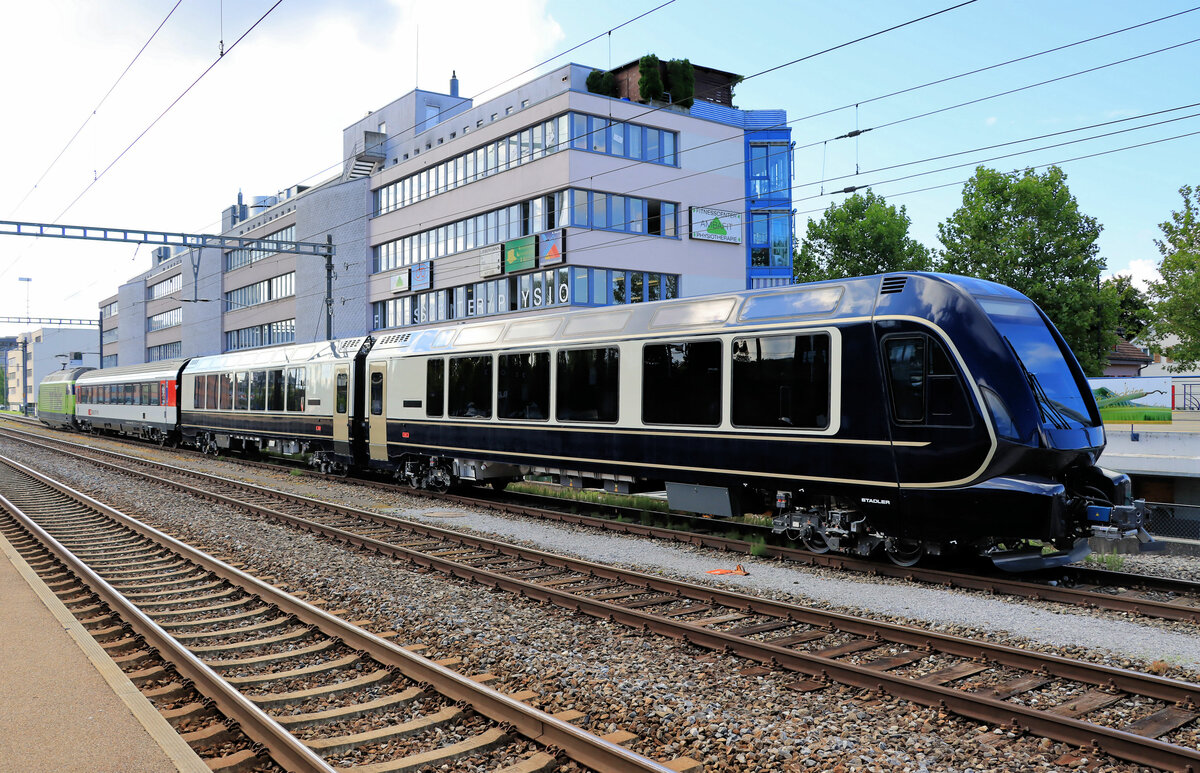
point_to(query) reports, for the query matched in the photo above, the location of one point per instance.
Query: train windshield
(1059, 398)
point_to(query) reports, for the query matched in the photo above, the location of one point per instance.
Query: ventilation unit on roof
(893, 284)
(399, 338)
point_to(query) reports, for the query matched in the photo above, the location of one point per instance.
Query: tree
(650, 85)
(681, 82)
(1176, 299)
(1025, 230)
(862, 235)
(1133, 305)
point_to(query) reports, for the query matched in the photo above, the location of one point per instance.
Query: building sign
(552, 247)
(520, 254)
(400, 283)
(491, 260)
(716, 225)
(422, 276)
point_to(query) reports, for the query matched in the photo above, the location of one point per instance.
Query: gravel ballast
(681, 700)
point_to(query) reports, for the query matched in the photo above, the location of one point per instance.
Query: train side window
(295, 389)
(377, 393)
(587, 384)
(471, 387)
(241, 398)
(225, 384)
(925, 387)
(275, 390)
(781, 381)
(681, 383)
(212, 390)
(129, 395)
(198, 399)
(146, 392)
(948, 404)
(152, 389)
(435, 388)
(258, 390)
(342, 392)
(906, 371)
(524, 386)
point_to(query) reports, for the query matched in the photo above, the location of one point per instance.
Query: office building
(546, 197)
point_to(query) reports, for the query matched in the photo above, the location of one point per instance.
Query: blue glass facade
(769, 205)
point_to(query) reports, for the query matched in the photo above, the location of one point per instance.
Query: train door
(377, 410)
(341, 409)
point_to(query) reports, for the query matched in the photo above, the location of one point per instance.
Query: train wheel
(813, 540)
(905, 552)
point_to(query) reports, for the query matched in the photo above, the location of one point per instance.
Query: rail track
(1134, 594)
(1134, 716)
(250, 672)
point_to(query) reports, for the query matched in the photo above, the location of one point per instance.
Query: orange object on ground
(739, 570)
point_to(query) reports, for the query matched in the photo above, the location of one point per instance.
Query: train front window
(1059, 396)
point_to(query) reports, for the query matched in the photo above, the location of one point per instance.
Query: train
(911, 414)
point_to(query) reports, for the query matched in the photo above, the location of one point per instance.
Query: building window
(110, 335)
(545, 288)
(614, 212)
(592, 133)
(282, 286)
(270, 334)
(770, 174)
(771, 239)
(164, 320)
(165, 287)
(109, 310)
(262, 249)
(108, 361)
(171, 351)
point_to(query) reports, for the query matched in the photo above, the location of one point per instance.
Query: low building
(40, 352)
(1125, 359)
(545, 197)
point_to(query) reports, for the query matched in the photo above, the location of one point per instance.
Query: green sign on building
(520, 254)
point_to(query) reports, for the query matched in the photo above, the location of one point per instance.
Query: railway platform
(64, 704)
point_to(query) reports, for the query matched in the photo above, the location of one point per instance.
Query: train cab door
(377, 410)
(341, 409)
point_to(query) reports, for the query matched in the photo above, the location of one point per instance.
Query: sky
(270, 111)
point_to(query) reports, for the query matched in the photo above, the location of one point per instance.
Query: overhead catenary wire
(92, 114)
(958, 76)
(174, 102)
(623, 238)
(449, 217)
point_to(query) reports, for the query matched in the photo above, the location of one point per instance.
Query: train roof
(809, 303)
(68, 375)
(278, 356)
(147, 371)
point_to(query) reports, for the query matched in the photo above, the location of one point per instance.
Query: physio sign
(716, 225)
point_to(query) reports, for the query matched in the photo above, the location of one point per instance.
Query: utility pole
(24, 375)
(329, 288)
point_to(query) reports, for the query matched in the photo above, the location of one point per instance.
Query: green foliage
(650, 85)
(681, 81)
(1025, 230)
(862, 235)
(758, 546)
(1176, 297)
(603, 83)
(1133, 306)
(1113, 562)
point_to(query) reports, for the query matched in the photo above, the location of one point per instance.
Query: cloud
(1141, 271)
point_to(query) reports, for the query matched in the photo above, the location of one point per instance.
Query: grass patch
(758, 546)
(590, 496)
(755, 519)
(1113, 562)
(297, 473)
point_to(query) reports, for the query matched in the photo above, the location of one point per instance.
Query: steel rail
(990, 583)
(1123, 744)
(578, 744)
(285, 748)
